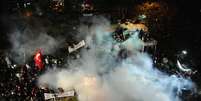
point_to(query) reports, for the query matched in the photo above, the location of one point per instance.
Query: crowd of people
(19, 82)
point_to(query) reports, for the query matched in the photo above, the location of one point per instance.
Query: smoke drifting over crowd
(25, 43)
(100, 74)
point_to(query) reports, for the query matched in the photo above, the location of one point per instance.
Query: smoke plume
(26, 42)
(101, 75)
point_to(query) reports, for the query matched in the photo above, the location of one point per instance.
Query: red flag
(38, 60)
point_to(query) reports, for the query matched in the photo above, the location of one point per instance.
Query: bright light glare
(184, 52)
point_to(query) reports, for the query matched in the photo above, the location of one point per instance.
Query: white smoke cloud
(99, 76)
(26, 43)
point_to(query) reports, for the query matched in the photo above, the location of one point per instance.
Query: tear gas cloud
(25, 43)
(99, 76)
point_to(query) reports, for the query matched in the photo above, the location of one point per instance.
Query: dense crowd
(18, 82)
